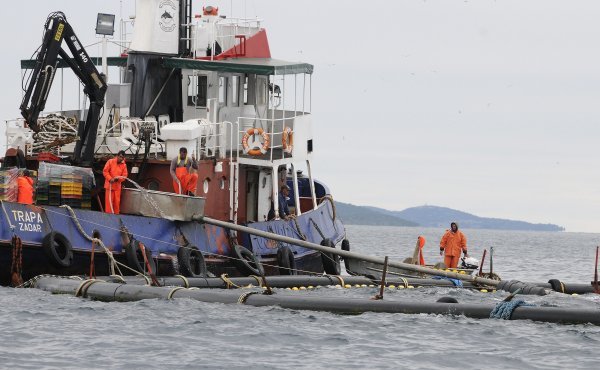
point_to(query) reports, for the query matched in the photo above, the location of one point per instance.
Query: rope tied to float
(228, 281)
(185, 280)
(342, 283)
(505, 309)
(31, 282)
(170, 295)
(82, 289)
(244, 297)
(404, 282)
(456, 282)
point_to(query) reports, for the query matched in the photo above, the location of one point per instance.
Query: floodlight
(105, 24)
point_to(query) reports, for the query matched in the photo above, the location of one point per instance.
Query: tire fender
(58, 249)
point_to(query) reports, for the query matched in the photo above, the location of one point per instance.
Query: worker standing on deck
(183, 180)
(25, 185)
(112, 186)
(452, 243)
(284, 210)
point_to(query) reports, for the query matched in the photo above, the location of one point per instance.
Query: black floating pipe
(567, 288)
(287, 281)
(278, 281)
(104, 291)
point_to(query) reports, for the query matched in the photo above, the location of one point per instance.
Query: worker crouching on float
(184, 182)
(115, 172)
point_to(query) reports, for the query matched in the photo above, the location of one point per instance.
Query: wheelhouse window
(222, 90)
(235, 91)
(197, 90)
(261, 91)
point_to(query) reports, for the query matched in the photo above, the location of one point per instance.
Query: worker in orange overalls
(453, 242)
(184, 182)
(112, 186)
(25, 185)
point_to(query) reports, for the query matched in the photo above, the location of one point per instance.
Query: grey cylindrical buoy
(514, 285)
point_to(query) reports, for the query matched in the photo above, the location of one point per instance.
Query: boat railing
(133, 131)
(212, 139)
(226, 30)
(17, 135)
(274, 130)
(125, 35)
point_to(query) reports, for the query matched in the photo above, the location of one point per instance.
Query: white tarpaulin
(156, 26)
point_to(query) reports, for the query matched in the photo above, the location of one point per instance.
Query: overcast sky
(489, 107)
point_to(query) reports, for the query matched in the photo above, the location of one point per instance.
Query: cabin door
(252, 195)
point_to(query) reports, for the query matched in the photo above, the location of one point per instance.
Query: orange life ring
(255, 150)
(287, 140)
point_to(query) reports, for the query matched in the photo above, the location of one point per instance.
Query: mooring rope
(135, 272)
(259, 280)
(297, 229)
(329, 197)
(112, 262)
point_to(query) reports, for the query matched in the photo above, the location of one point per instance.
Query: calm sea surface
(40, 330)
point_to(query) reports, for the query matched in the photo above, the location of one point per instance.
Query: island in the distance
(431, 216)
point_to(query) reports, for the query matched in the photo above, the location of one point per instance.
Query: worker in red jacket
(112, 186)
(452, 243)
(25, 185)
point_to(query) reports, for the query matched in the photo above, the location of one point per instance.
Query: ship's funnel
(156, 27)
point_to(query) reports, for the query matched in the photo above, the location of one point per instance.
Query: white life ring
(253, 148)
(287, 139)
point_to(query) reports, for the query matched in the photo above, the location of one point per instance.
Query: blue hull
(163, 237)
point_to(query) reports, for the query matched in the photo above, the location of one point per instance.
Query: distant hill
(433, 216)
(359, 215)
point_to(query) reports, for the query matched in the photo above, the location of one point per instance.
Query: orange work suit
(25, 185)
(452, 244)
(112, 197)
(189, 181)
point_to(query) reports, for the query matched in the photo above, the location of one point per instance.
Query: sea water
(39, 330)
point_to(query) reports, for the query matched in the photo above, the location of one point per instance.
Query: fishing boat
(203, 82)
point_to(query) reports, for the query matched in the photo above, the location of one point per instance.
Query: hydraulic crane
(57, 30)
